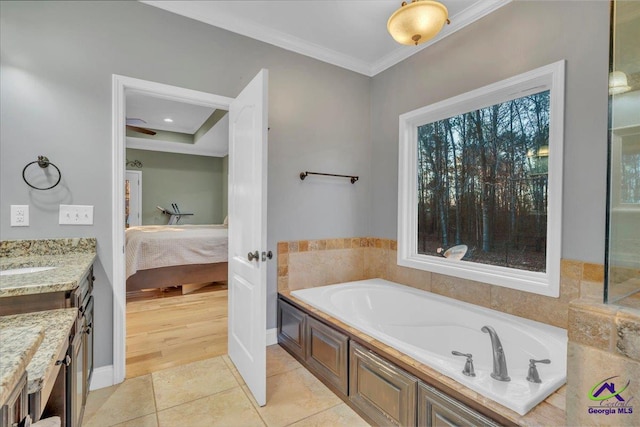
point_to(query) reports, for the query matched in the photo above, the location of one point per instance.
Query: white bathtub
(428, 327)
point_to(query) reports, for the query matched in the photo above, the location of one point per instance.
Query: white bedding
(153, 246)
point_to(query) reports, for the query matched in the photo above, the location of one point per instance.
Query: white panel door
(134, 178)
(248, 234)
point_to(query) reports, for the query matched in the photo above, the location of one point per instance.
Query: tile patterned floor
(212, 393)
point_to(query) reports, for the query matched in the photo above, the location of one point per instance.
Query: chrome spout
(500, 372)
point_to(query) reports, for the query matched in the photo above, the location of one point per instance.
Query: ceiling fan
(132, 124)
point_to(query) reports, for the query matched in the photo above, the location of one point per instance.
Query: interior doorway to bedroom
(176, 164)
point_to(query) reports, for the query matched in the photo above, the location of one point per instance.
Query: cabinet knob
(93, 278)
(66, 361)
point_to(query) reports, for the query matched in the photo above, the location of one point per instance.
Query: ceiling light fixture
(417, 22)
(618, 83)
(168, 120)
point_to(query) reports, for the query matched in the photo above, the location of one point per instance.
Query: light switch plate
(19, 215)
(76, 215)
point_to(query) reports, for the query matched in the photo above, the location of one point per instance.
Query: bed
(159, 256)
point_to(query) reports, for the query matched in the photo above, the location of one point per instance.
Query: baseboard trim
(272, 336)
(102, 377)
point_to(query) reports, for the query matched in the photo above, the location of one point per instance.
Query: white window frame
(550, 77)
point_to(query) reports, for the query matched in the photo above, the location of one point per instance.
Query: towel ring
(44, 163)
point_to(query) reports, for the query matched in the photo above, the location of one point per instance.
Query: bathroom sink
(25, 270)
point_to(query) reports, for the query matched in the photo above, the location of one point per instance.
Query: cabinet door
(381, 390)
(439, 410)
(14, 409)
(327, 352)
(291, 328)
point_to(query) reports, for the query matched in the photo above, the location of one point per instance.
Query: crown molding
(265, 34)
(294, 44)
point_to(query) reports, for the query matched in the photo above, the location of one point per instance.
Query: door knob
(253, 255)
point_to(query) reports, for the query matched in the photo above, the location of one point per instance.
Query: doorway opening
(247, 139)
(134, 97)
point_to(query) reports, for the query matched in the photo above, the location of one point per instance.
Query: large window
(480, 183)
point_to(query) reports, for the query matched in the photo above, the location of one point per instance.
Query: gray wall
(57, 62)
(193, 182)
(517, 38)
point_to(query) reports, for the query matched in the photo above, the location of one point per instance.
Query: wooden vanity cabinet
(327, 354)
(384, 392)
(14, 411)
(437, 409)
(291, 328)
(322, 349)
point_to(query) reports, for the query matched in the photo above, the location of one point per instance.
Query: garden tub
(428, 327)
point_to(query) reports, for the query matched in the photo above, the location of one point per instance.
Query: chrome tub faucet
(500, 372)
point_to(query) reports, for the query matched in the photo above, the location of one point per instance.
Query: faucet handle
(468, 366)
(533, 375)
(545, 361)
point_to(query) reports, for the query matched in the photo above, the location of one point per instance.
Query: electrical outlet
(19, 215)
(75, 215)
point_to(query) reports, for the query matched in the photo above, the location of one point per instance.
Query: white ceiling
(348, 33)
(187, 118)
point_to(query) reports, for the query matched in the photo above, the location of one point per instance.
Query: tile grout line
(155, 403)
(314, 414)
(253, 406)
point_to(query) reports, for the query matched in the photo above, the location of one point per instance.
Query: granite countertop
(19, 345)
(70, 267)
(56, 325)
(549, 412)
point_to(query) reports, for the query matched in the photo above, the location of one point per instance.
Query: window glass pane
(483, 183)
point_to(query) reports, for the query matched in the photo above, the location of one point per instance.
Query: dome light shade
(618, 83)
(417, 22)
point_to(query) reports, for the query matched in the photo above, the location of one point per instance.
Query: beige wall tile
(461, 289)
(317, 245)
(413, 277)
(283, 284)
(375, 263)
(586, 367)
(334, 244)
(590, 327)
(571, 269)
(552, 311)
(628, 333)
(293, 246)
(344, 265)
(283, 247)
(303, 245)
(592, 291)
(283, 270)
(307, 269)
(283, 259)
(593, 272)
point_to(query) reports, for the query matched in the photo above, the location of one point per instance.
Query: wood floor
(166, 329)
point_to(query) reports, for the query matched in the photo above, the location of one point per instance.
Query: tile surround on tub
(309, 263)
